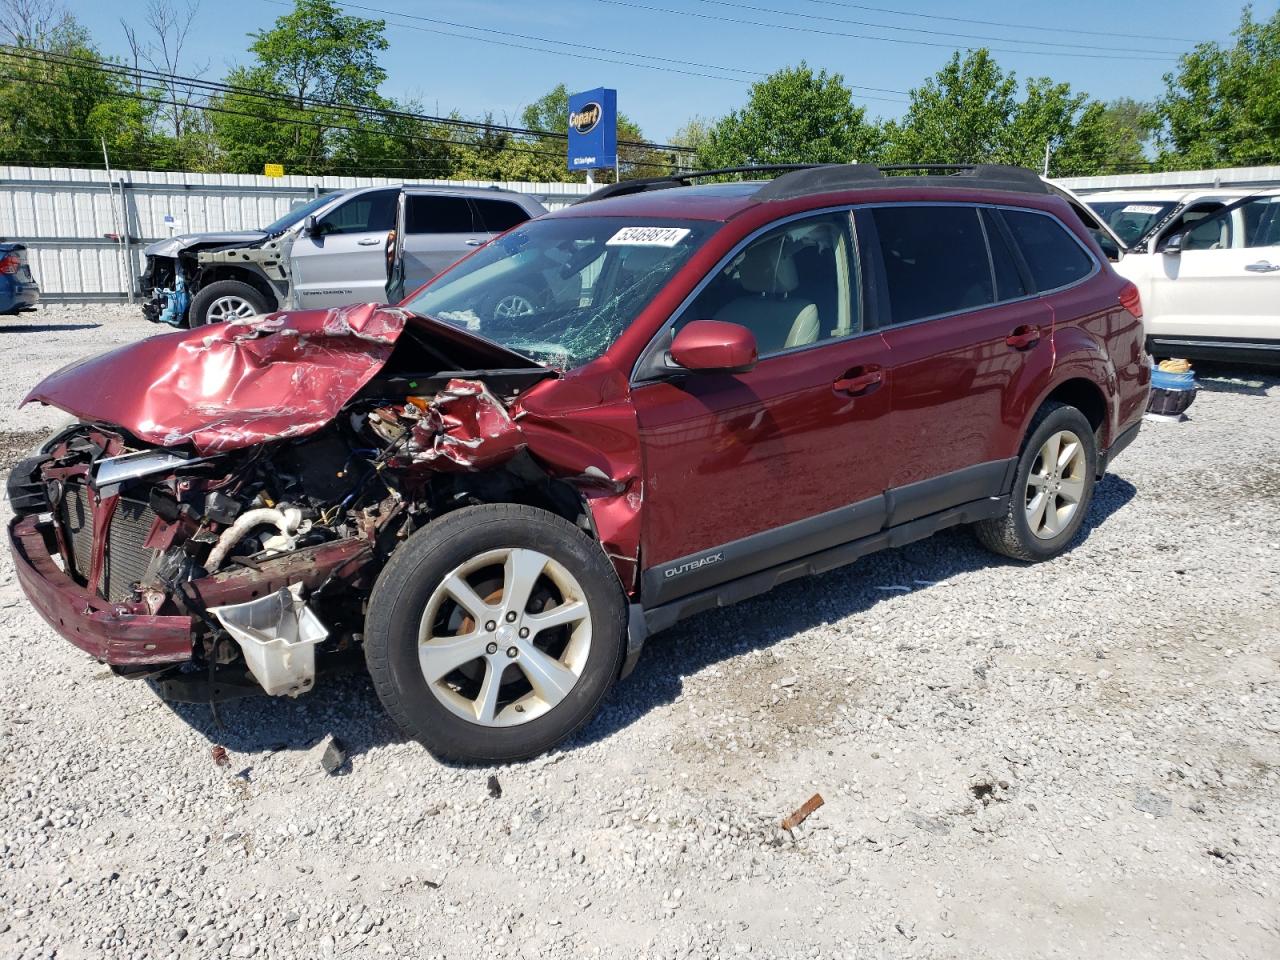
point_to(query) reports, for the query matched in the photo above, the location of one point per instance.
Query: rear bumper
(1123, 440)
(119, 634)
(15, 297)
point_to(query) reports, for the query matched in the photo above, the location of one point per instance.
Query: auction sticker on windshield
(647, 237)
(1141, 208)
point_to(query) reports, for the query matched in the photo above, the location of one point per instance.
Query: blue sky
(682, 58)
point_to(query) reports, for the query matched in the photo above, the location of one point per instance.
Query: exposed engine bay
(176, 270)
(245, 532)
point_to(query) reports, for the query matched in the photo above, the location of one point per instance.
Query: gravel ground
(1080, 758)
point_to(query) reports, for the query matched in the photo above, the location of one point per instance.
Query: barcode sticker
(647, 237)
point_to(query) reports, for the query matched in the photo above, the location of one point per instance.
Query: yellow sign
(273, 169)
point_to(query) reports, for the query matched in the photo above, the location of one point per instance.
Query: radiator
(127, 560)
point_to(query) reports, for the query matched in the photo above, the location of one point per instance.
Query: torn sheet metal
(464, 427)
(233, 385)
(589, 437)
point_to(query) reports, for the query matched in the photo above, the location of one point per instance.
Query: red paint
(666, 468)
(714, 345)
(465, 428)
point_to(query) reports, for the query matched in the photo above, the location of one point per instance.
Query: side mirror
(715, 345)
(311, 227)
(1172, 246)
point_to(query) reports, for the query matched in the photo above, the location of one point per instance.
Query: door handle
(858, 380)
(1027, 335)
(474, 243)
(368, 242)
(1262, 266)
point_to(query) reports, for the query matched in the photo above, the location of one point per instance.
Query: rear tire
(225, 300)
(1052, 488)
(495, 632)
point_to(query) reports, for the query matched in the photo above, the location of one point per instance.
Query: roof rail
(802, 179)
(833, 177)
(643, 185)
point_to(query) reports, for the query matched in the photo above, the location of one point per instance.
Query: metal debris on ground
(801, 815)
(220, 756)
(495, 788)
(335, 756)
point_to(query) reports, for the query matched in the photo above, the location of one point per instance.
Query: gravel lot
(1080, 758)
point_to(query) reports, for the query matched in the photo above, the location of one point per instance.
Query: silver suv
(328, 252)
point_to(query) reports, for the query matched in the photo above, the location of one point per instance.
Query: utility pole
(126, 273)
(1046, 158)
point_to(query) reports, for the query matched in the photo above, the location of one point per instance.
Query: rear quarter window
(1052, 254)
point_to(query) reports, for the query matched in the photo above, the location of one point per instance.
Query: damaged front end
(230, 495)
(177, 269)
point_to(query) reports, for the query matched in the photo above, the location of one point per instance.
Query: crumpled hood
(232, 385)
(171, 246)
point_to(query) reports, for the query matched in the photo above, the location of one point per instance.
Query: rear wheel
(495, 632)
(1052, 488)
(226, 300)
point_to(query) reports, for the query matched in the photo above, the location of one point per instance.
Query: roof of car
(1163, 195)
(677, 196)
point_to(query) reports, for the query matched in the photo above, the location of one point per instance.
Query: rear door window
(1052, 254)
(935, 260)
(431, 213)
(498, 216)
(1004, 265)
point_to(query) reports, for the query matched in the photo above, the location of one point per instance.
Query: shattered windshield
(297, 214)
(562, 290)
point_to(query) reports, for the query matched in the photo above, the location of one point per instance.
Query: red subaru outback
(664, 399)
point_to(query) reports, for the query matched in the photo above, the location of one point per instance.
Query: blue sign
(593, 129)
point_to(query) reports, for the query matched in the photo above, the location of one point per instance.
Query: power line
(860, 36)
(999, 23)
(210, 87)
(337, 127)
(943, 33)
(581, 46)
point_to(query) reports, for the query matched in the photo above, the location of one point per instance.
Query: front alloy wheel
(225, 309)
(494, 632)
(514, 654)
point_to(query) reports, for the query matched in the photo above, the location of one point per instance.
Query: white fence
(85, 232)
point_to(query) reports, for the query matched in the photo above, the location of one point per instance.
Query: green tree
(58, 107)
(970, 111)
(1221, 106)
(793, 116)
(1131, 129)
(310, 56)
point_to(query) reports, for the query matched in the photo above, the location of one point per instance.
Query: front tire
(225, 300)
(1052, 488)
(495, 632)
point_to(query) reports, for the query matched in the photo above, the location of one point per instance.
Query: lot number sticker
(1140, 208)
(647, 237)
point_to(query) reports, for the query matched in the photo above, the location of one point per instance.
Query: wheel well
(1085, 396)
(518, 484)
(218, 272)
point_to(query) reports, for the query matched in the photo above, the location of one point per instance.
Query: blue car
(18, 288)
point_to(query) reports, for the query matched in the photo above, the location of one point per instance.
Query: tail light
(10, 263)
(1131, 300)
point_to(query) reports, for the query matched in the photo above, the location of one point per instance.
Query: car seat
(768, 277)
